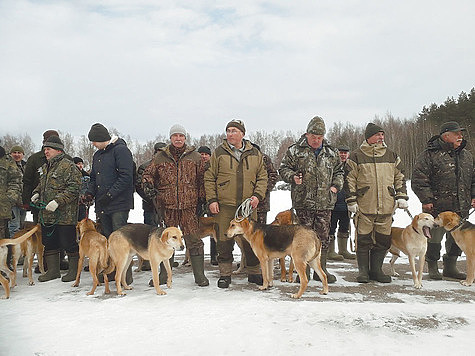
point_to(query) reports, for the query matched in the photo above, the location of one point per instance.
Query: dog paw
(465, 283)
(161, 292)
(294, 296)
(90, 293)
(128, 287)
(263, 287)
(31, 283)
(418, 286)
(322, 292)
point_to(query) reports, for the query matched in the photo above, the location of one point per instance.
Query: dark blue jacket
(112, 173)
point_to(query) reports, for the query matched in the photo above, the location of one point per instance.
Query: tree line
(407, 137)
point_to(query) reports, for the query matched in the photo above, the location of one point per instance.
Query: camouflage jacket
(374, 179)
(230, 181)
(60, 180)
(10, 187)
(319, 173)
(179, 184)
(444, 177)
(272, 176)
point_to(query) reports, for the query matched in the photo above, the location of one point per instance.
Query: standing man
(444, 179)
(236, 172)
(58, 193)
(341, 219)
(111, 181)
(18, 213)
(175, 180)
(375, 187)
(315, 172)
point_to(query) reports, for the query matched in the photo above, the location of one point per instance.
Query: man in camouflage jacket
(444, 179)
(375, 187)
(175, 180)
(57, 196)
(315, 172)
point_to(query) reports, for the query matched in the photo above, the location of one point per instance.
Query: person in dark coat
(443, 179)
(111, 182)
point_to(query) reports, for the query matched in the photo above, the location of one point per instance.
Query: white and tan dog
(412, 240)
(154, 244)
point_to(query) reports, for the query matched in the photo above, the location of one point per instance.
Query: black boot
(255, 278)
(450, 268)
(362, 257)
(198, 267)
(212, 252)
(376, 263)
(52, 260)
(63, 262)
(323, 261)
(73, 259)
(224, 281)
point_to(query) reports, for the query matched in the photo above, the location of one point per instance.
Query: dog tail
(104, 259)
(20, 239)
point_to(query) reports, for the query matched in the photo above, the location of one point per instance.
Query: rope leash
(41, 207)
(243, 211)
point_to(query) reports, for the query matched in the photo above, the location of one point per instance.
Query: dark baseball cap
(452, 126)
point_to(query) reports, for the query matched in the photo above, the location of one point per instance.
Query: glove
(86, 198)
(105, 200)
(35, 198)
(149, 190)
(402, 204)
(353, 208)
(52, 205)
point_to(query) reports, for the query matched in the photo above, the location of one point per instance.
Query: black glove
(86, 199)
(105, 200)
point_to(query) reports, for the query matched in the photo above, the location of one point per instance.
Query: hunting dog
(412, 240)
(464, 236)
(154, 244)
(28, 248)
(286, 217)
(93, 245)
(3, 260)
(271, 241)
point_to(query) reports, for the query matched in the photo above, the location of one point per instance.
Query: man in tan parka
(375, 187)
(236, 172)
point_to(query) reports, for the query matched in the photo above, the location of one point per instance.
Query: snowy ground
(54, 318)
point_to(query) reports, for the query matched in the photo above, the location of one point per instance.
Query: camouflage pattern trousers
(319, 221)
(188, 222)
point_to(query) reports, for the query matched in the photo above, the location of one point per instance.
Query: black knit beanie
(204, 149)
(372, 129)
(98, 133)
(54, 142)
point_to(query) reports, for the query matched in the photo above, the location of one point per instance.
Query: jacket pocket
(362, 191)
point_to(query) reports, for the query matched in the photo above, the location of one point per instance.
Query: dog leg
(29, 265)
(283, 270)
(166, 263)
(291, 271)
(155, 264)
(80, 263)
(470, 272)
(124, 271)
(6, 287)
(265, 273)
(15, 256)
(301, 267)
(119, 270)
(392, 262)
(317, 267)
(41, 265)
(270, 271)
(412, 263)
(93, 270)
(139, 264)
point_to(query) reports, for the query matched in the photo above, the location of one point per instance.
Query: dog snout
(182, 247)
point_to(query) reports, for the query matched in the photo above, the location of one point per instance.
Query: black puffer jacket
(444, 177)
(112, 173)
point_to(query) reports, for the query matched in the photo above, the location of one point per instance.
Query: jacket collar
(373, 150)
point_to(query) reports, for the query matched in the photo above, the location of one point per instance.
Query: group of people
(180, 184)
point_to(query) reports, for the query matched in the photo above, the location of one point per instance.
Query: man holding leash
(236, 172)
(444, 180)
(314, 170)
(375, 187)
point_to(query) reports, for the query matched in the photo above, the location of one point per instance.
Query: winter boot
(343, 245)
(362, 257)
(128, 275)
(376, 264)
(255, 278)
(63, 262)
(224, 281)
(52, 260)
(323, 261)
(212, 252)
(332, 255)
(433, 268)
(163, 275)
(450, 268)
(198, 267)
(73, 259)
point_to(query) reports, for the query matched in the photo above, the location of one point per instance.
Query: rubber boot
(450, 268)
(332, 255)
(362, 257)
(128, 275)
(323, 261)
(163, 275)
(224, 281)
(433, 268)
(73, 259)
(343, 245)
(376, 263)
(63, 263)
(52, 261)
(198, 267)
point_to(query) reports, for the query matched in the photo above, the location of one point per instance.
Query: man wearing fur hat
(444, 179)
(175, 180)
(57, 195)
(375, 187)
(315, 172)
(236, 172)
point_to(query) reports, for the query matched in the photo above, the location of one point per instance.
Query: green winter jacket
(374, 179)
(60, 180)
(10, 187)
(319, 173)
(229, 181)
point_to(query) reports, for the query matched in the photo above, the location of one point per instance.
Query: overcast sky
(142, 66)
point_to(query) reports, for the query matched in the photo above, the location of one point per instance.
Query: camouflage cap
(316, 126)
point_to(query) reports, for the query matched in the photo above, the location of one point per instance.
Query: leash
(243, 211)
(409, 213)
(41, 207)
(463, 220)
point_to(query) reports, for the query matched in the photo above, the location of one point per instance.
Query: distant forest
(407, 137)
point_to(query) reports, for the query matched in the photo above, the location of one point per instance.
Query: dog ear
(415, 221)
(164, 236)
